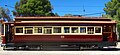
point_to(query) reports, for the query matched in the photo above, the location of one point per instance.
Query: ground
(86, 52)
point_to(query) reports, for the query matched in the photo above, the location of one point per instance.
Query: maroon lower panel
(57, 38)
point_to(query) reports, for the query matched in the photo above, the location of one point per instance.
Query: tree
(56, 14)
(33, 8)
(5, 14)
(112, 8)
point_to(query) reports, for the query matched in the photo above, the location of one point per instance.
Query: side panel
(57, 38)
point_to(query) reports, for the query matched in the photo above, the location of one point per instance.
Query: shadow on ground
(105, 49)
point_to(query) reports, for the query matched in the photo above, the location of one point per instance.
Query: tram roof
(42, 22)
(63, 18)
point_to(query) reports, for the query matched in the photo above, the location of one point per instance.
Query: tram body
(41, 31)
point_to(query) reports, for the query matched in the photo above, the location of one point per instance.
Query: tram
(39, 32)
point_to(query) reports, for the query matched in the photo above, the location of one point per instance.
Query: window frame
(53, 29)
(47, 28)
(19, 33)
(38, 33)
(28, 27)
(78, 32)
(114, 28)
(69, 29)
(95, 30)
(3, 30)
(85, 32)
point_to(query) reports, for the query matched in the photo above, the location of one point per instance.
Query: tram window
(114, 29)
(107, 28)
(57, 30)
(74, 29)
(90, 30)
(28, 30)
(97, 29)
(38, 30)
(66, 29)
(82, 29)
(47, 30)
(2, 30)
(19, 30)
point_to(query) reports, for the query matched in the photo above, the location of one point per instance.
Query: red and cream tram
(32, 32)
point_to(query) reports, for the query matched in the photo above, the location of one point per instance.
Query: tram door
(8, 33)
(106, 32)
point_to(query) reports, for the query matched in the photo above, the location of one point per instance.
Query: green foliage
(56, 14)
(4, 14)
(33, 8)
(112, 8)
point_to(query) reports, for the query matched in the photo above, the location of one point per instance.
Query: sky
(74, 7)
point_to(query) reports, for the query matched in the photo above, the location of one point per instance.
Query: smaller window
(97, 29)
(107, 28)
(19, 30)
(57, 30)
(38, 30)
(74, 29)
(2, 30)
(114, 28)
(82, 29)
(28, 30)
(66, 29)
(47, 30)
(90, 30)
